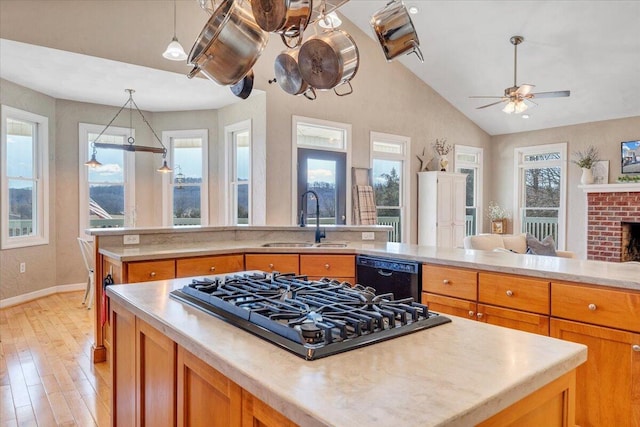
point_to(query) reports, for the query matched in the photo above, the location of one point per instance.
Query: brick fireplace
(609, 213)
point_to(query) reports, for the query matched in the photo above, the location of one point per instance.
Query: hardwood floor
(46, 374)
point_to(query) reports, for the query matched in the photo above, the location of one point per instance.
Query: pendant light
(175, 51)
(130, 145)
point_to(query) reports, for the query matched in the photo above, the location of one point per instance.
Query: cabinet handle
(479, 315)
(326, 266)
(212, 269)
(445, 282)
(271, 266)
(509, 293)
(471, 313)
(152, 274)
(592, 307)
(635, 347)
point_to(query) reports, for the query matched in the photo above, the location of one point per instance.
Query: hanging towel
(365, 205)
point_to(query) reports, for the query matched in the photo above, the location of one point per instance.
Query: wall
(40, 260)
(605, 135)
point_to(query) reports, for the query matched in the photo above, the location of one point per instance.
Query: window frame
(83, 185)
(167, 179)
(231, 207)
(405, 185)
(40, 162)
(520, 166)
(478, 165)
(346, 127)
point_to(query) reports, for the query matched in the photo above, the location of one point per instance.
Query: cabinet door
(155, 375)
(608, 383)
(206, 265)
(206, 398)
(123, 367)
(340, 267)
(446, 305)
(146, 271)
(256, 413)
(514, 319)
(283, 263)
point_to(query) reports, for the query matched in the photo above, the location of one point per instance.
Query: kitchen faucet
(319, 234)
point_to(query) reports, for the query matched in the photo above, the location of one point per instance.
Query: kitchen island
(459, 374)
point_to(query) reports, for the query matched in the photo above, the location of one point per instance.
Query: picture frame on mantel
(600, 172)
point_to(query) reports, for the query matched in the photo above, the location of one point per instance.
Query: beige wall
(40, 260)
(605, 135)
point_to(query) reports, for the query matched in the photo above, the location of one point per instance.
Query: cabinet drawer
(151, 270)
(332, 266)
(514, 292)
(606, 307)
(209, 265)
(514, 319)
(283, 263)
(448, 305)
(453, 282)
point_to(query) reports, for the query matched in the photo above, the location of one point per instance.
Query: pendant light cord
(174, 19)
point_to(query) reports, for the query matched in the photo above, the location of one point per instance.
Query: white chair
(86, 249)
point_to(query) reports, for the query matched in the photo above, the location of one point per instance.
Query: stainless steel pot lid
(319, 64)
(288, 73)
(269, 14)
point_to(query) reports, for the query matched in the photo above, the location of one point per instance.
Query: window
(320, 158)
(468, 160)
(540, 191)
(106, 192)
(185, 196)
(389, 160)
(238, 148)
(25, 183)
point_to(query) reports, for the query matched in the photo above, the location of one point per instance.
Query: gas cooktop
(311, 318)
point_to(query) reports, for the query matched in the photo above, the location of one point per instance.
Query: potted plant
(498, 217)
(585, 160)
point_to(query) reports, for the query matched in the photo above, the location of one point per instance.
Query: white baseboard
(8, 302)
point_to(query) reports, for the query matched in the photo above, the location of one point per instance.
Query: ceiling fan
(516, 96)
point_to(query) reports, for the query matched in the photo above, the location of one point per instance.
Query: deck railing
(541, 227)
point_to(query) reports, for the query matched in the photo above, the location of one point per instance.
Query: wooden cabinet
(200, 266)
(206, 398)
(340, 267)
(608, 384)
(256, 413)
(123, 367)
(283, 263)
(441, 208)
(514, 319)
(447, 305)
(155, 377)
(145, 271)
(607, 321)
(520, 293)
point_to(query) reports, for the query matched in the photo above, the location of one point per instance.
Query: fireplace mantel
(611, 188)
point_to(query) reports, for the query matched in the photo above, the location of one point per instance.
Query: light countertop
(620, 275)
(456, 374)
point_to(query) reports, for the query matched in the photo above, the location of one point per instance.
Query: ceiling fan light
(510, 107)
(175, 51)
(520, 107)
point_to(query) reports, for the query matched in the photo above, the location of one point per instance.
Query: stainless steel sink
(287, 245)
(331, 245)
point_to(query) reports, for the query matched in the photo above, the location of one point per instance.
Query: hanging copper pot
(395, 31)
(289, 18)
(329, 60)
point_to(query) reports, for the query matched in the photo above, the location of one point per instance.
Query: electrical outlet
(368, 235)
(23, 267)
(131, 239)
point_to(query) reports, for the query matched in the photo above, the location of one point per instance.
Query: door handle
(384, 273)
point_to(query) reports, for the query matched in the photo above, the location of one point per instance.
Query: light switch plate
(368, 235)
(131, 239)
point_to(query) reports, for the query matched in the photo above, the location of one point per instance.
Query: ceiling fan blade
(489, 105)
(524, 89)
(556, 94)
(486, 97)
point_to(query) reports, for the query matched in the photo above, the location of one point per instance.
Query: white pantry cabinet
(441, 208)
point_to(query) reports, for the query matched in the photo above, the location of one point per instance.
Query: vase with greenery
(442, 149)
(586, 160)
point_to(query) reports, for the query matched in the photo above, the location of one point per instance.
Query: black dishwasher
(385, 275)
